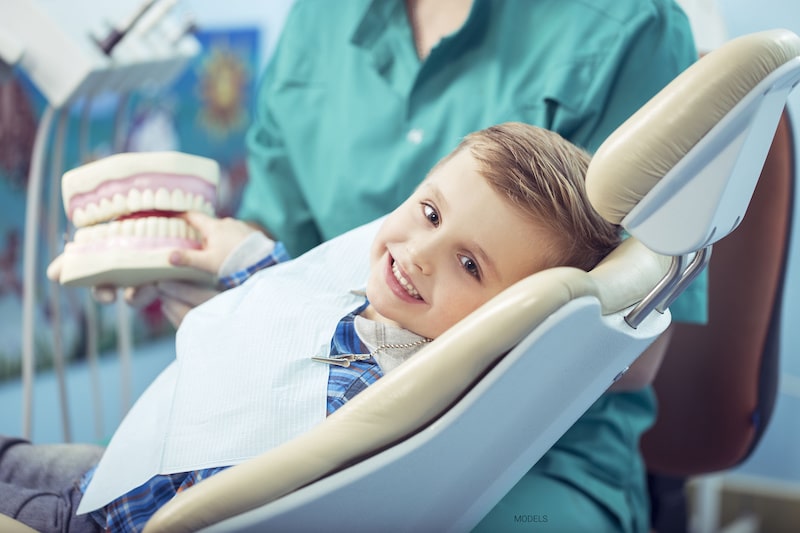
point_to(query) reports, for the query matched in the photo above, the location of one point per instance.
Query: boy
(507, 202)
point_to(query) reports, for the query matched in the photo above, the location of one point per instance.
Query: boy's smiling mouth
(410, 289)
(404, 284)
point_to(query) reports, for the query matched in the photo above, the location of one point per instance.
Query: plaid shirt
(131, 511)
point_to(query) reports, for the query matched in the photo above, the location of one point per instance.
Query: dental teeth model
(124, 210)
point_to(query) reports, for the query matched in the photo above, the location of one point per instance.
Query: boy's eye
(431, 214)
(470, 266)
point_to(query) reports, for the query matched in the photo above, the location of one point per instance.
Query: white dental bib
(243, 380)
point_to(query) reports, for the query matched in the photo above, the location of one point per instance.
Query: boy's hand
(220, 236)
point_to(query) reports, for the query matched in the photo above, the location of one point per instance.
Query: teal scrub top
(349, 121)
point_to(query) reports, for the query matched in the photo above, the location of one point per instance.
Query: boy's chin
(373, 312)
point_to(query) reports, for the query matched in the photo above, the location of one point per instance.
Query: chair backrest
(717, 384)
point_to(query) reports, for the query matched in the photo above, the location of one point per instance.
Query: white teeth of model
(197, 203)
(92, 213)
(151, 227)
(106, 209)
(162, 199)
(127, 227)
(148, 199)
(119, 202)
(140, 200)
(134, 201)
(84, 235)
(140, 226)
(79, 217)
(143, 227)
(182, 229)
(80, 236)
(178, 200)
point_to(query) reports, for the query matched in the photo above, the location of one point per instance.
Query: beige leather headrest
(652, 141)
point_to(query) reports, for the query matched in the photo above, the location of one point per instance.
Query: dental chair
(710, 424)
(437, 443)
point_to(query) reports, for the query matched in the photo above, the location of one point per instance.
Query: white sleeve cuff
(251, 250)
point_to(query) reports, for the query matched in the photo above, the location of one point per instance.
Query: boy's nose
(421, 253)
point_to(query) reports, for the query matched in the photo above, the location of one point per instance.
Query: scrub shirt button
(414, 136)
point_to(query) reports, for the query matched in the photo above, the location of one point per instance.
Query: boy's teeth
(413, 292)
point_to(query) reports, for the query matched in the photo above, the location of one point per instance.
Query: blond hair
(543, 175)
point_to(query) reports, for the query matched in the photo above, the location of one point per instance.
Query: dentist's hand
(177, 298)
(104, 294)
(220, 237)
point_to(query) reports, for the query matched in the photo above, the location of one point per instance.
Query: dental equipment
(56, 45)
(124, 208)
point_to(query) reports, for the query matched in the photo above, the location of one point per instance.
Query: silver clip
(341, 360)
(338, 361)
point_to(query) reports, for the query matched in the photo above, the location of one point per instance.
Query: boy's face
(453, 245)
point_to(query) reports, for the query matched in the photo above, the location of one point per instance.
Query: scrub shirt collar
(385, 34)
(471, 33)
